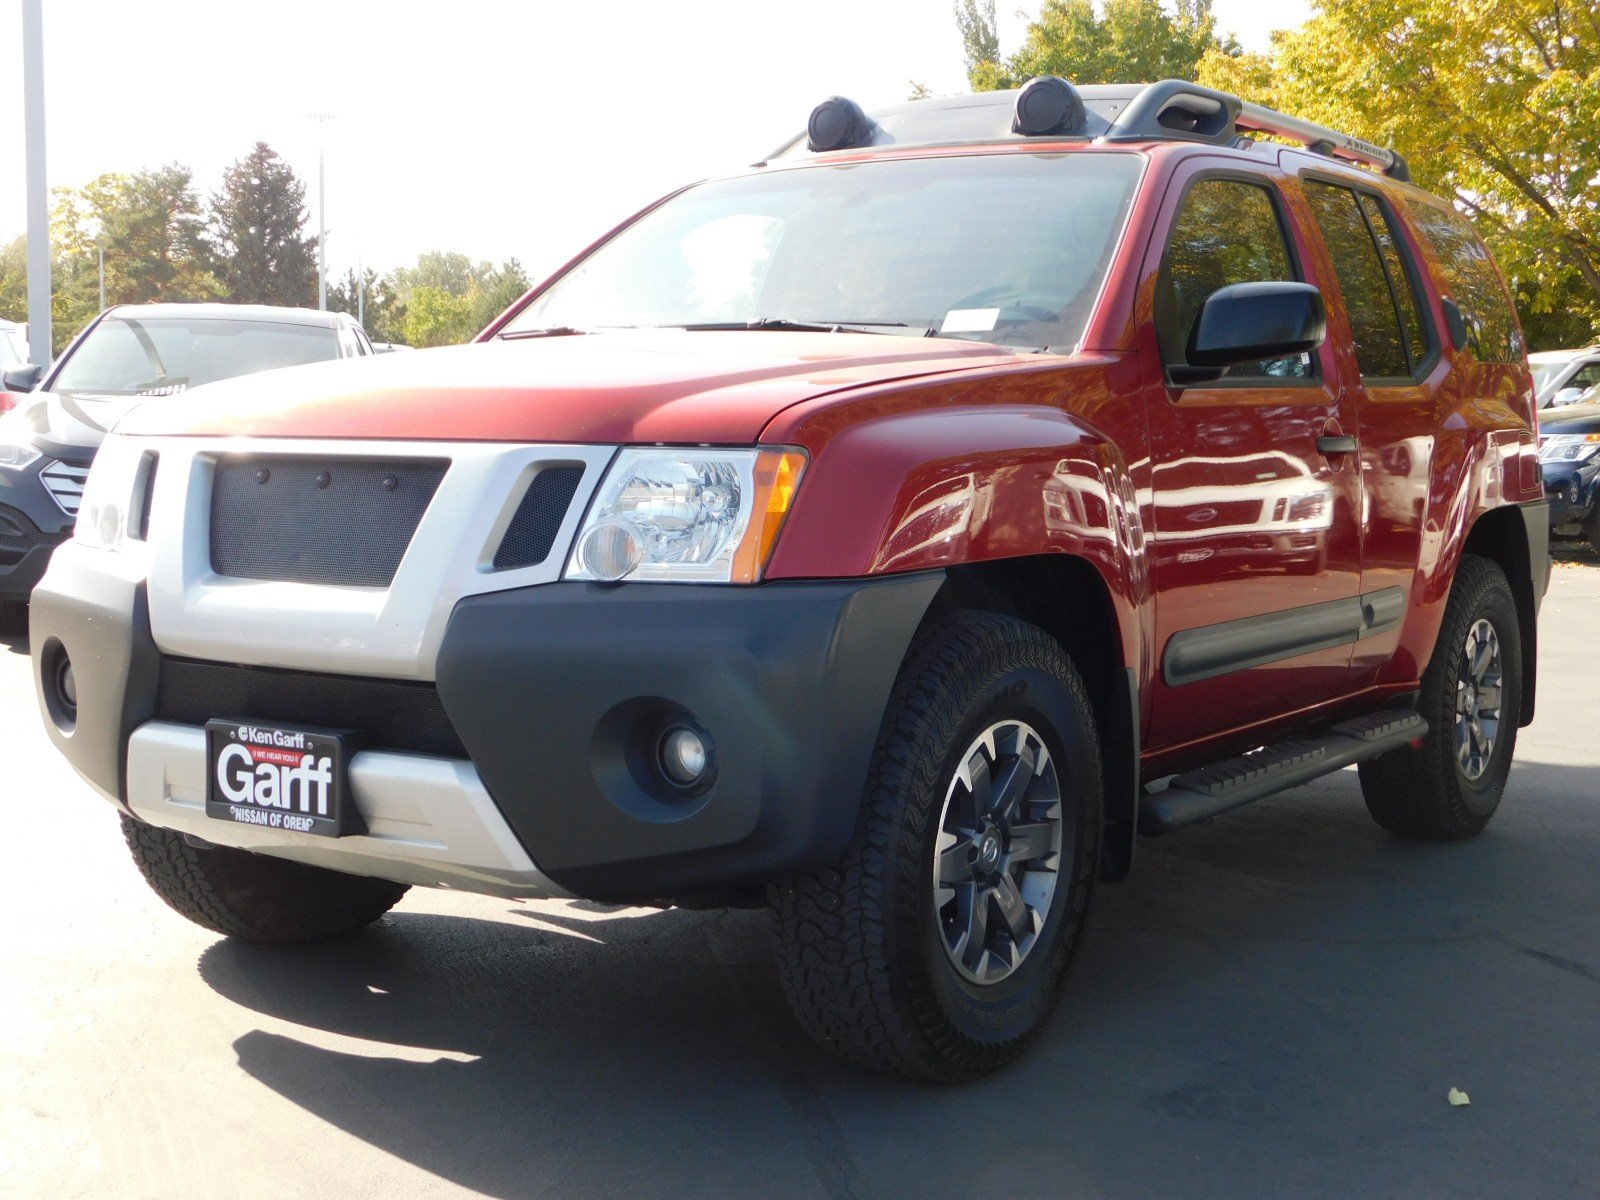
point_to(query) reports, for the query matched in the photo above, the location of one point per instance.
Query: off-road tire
(1420, 791)
(860, 953)
(254, 897)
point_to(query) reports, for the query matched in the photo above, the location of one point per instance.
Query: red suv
(885, 534)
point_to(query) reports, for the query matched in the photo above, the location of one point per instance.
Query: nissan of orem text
(892, 534)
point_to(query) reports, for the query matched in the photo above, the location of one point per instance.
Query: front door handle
(1341, 443)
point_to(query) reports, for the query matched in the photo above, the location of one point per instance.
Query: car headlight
(687, 515)
(16, 444)
(1569, 447)
(105, 512)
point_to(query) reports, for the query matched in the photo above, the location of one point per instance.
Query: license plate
(280, 778)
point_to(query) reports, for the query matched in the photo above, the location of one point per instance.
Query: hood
(608, 388)
(78, 421)
(1584, 418)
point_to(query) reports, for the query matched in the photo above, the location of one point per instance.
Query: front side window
(1471, 280)
(1372, 298)
(1003, 248)
(131, 356)
(1227, 231)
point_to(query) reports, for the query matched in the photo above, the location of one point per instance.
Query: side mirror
(1566, 396)
(24, 378)
(1245, 322)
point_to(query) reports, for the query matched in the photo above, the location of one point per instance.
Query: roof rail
(1324, 140)
(1174, 108)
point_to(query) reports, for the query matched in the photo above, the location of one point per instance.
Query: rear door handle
(1341, 443)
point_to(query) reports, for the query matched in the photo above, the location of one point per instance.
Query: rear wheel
(937, 947)
(254, 897)
(1448, 787)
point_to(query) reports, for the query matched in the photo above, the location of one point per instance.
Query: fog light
(684, 756)
(67, 684)
(611, 550)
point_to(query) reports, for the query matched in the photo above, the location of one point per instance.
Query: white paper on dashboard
(969, 320)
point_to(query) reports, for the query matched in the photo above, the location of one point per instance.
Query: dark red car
(886, 534)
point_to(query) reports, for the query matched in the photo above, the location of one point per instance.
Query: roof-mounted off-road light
(1048, 104)
(837, 124)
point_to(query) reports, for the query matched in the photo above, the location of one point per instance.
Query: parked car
(125, 356)
(1569, 457)
(14, 365)
(1561, 377)
(883, 534)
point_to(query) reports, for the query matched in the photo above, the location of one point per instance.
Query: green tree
(152, 231)
(14, 280)
(257, 230)
(382, 311)
(434, 317)
(497, 291)
(1123, 41)
(1495, 102)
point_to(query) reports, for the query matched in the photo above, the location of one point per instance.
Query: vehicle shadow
(1275, 1003)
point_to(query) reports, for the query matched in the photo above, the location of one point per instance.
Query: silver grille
(65, 484)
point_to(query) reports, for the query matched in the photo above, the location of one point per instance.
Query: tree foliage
(258, 232)
(1496, 103)
(1122, 41)
(151, 227)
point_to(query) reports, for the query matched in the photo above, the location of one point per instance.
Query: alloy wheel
(996, 859)
(1479, 698)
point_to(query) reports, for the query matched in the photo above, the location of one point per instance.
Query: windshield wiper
(786, 325)
(553, 331)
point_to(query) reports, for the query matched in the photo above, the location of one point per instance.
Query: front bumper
(557, 692)
(1571, 489)
(32, 525)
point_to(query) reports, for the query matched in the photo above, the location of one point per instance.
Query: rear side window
(1378, 296)
(1227, 231)
(1471, 280)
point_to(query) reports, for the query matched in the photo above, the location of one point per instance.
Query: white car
(1560, 377)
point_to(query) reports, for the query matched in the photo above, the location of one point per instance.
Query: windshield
(1544, 372)
(1005, 248)
(135, 356)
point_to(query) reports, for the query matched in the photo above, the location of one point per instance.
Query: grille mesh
(533, 528)
(18, 535)
(394, 714)
(317, 520)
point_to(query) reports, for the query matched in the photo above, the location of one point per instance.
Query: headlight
(687, 515)
(105, 511)
(16, 444)
(1569, 447)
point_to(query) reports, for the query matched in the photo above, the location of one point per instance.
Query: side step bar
(1233, 782)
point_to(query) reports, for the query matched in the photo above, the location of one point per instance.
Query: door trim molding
(1211, 650)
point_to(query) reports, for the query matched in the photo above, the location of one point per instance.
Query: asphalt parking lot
(1275, 1005)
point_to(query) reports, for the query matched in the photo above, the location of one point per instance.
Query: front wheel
(254, 897)
(938, 946)
(1447, 787)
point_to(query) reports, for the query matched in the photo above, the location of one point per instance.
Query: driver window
(1227, 231)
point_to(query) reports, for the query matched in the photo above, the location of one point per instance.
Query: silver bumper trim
(430, 821)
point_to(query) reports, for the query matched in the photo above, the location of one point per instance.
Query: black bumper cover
(560, 693)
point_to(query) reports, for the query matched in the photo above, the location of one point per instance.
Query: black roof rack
(1169, 110)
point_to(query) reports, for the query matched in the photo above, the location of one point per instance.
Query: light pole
(39, 343)
(322, 120)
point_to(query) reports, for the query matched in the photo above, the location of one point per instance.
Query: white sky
(493, 128)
